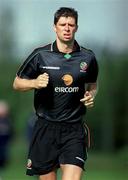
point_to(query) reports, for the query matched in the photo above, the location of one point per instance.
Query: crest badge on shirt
(83, 66)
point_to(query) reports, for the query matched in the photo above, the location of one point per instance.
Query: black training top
(68, 75)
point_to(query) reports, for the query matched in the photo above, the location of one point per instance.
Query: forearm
(92, 88)
(23, 84)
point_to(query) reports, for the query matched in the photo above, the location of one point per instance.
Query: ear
(76, 28)
(54, 27)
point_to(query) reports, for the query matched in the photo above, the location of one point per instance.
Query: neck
(65, 47)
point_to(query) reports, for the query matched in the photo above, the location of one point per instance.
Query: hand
(88, 99)
(41, 81)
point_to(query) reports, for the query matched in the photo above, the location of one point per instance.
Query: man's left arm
(91, 83)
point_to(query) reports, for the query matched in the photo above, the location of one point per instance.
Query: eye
(72, 25)
(62, 24)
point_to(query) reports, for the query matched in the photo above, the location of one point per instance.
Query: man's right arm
(22, 84)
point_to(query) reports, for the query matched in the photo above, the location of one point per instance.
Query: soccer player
(63, 75)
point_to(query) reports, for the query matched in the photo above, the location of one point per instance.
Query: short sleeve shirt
(68, 76)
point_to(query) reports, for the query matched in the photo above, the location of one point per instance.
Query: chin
(67, 40)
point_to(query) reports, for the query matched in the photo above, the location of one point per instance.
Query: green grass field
(98, 167)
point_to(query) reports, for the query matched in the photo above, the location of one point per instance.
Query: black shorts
(54, 144)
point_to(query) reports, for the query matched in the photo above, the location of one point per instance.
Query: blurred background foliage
(108, 120)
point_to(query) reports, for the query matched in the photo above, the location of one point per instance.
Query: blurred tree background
(108, 120)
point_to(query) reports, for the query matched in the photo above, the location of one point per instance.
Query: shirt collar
(55, 48)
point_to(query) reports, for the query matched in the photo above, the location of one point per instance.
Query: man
(63, 75)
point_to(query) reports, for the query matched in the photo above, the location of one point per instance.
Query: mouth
(67, 36)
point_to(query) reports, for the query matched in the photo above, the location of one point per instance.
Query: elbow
(16, 84)
(15, 87)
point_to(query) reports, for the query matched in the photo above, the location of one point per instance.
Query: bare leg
(49, 176)
(71, 172)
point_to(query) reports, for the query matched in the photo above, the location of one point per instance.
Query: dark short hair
(65, 12)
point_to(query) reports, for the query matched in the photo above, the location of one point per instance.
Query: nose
(66, 27)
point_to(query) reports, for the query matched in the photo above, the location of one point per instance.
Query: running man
(63, 76)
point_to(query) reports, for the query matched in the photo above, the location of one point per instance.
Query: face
(65, 29)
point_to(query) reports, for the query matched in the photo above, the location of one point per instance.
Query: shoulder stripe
(45, 48)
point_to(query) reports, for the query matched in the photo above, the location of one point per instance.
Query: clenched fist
(41, 81)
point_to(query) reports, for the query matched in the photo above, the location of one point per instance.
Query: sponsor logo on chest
(67, 80)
